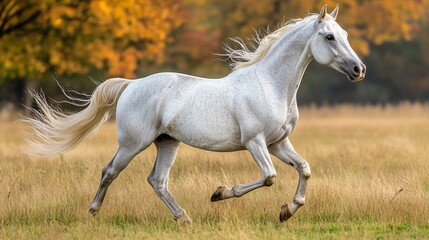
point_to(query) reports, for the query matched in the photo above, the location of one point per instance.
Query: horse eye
(330, 37)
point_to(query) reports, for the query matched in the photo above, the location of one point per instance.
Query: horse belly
(211, 129)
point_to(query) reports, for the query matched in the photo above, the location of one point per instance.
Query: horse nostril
(356, 70)
(363, 70)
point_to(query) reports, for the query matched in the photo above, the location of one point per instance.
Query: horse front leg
(259, 151)
(287, 154)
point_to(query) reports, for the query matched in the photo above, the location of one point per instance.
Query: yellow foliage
(380, 21)
(367, 21)
(71, 36)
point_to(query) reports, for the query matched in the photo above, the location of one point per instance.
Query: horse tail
(55, 132)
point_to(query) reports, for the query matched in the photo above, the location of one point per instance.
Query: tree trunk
(28, 99)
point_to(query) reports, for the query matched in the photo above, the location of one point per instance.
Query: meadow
(370, 180)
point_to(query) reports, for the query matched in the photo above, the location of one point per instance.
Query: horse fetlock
(300, 201)
(269, 180)
(93, 209)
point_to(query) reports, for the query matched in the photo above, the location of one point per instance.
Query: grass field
(370, 180)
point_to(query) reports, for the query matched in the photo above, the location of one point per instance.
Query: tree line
(76, 42)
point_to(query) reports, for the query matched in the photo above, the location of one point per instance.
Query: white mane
(248, 55)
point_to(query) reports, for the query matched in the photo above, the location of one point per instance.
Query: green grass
(128, 227)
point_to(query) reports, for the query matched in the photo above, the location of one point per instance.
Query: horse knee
(305, 170)
(307, 173)
(270, 180)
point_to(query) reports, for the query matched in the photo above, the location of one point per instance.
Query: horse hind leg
(121, 159)
(166, 154)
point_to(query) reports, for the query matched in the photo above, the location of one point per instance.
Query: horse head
(329, 46)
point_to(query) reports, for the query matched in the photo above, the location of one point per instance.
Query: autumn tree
(209, 23)
(15, 15)
(38, 38)
(370, 24)
(129, 38)
(198, 38)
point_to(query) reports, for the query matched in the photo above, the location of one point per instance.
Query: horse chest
(284, 130)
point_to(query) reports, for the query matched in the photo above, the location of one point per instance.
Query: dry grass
(370, 180)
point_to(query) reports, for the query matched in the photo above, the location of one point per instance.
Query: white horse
(252, 108)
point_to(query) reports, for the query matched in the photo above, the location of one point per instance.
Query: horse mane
(251, 53)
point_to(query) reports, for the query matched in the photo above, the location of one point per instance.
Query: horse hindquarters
(134, 136)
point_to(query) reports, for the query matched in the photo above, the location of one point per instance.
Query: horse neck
(284, 65)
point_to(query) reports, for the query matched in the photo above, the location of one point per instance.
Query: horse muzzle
(355, 72)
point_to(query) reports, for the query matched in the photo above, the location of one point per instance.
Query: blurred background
(78, 42)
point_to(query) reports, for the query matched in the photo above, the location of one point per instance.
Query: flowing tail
(55, 132)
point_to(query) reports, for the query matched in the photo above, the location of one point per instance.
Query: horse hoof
(217, 195)
(184, 219)
(285, 213)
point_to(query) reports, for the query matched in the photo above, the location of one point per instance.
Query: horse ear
(322, 14)
(334, 12)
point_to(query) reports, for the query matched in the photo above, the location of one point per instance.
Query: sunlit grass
(370, 180)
